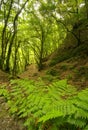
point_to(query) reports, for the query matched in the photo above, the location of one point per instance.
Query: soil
(75, 71)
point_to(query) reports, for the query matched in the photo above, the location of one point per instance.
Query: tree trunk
(86, 5)
(4, 32)
(13, 36)
(41, 51)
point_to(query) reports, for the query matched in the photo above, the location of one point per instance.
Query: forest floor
(75, 71)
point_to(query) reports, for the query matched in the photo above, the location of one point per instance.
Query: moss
(52, 72)
(69, 77)
(61, 57)
(64, 67)
(48, 78)
(82, 72)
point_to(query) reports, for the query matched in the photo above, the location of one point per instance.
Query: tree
(86, 5)
(9, 31)
(37, 27)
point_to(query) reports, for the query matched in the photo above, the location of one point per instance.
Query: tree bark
(42, 50)
(4, 42)
(13, 36)
(86, 5)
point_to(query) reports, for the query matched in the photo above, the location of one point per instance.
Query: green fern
(4, 92)
(49, 107)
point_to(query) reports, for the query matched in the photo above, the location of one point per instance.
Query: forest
(43, 64)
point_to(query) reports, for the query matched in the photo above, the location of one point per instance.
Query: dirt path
(4, 77)
(30, 73)
(6, 121)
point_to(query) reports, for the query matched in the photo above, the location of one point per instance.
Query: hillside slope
(69, 61)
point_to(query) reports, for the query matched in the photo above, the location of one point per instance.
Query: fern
(81, 103)
(4, 92)
(49, 107)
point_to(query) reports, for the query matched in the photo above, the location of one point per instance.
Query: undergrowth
(52, 107)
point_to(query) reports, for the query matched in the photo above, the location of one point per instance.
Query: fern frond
(58, 103)
(78, 122)
(86, 127)
(49, 116)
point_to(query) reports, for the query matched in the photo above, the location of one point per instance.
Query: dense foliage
(52, 107)
(31, 30)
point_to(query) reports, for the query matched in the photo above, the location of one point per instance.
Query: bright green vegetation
(52, 35)
(31, 30)
(52, 107)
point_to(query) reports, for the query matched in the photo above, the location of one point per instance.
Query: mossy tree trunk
(41, 50)
(13, 36)
(86, 5)
(5, 39)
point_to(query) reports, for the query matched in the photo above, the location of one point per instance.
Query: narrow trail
(4, 77)
(31, 71)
